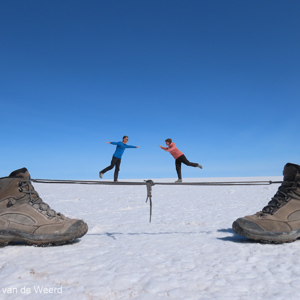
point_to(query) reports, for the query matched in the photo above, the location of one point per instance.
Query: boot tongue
(290, 171)
(20, 173)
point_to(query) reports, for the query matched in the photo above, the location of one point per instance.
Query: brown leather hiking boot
(24, 217)
(279, 221)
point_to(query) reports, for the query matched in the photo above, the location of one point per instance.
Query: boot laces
(280, 198)
(26, 187)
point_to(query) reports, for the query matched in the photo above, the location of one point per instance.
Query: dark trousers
(183, 159)
(115, 162)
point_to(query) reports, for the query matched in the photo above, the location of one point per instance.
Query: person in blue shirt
(116, 159)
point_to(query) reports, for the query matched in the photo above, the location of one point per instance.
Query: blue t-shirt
(120, 148)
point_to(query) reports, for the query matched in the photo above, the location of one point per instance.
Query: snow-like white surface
(189, 251)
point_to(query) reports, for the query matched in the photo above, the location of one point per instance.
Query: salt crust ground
(189, 251)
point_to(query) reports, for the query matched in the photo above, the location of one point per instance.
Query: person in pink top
(179, 158)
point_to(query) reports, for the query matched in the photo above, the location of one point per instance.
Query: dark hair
(168, 140)
(125, 136)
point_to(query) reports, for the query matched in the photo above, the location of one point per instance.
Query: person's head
(168, 141)
(125, 139)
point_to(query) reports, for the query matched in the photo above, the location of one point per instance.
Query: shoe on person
(100, 175)
(24, 217)
(279, 221)
(178, 180)
(199, 166)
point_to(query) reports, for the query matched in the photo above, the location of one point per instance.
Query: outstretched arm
(164, 148)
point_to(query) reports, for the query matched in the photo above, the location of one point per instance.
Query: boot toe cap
(79, 228)
(245, 227)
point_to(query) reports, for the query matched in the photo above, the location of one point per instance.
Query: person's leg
(187, 162)
(112, 164)
(178, 167)
(117, 169)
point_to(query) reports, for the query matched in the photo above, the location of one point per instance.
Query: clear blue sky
(221, 78)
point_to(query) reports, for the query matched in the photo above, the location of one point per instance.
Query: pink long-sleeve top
(173, 150)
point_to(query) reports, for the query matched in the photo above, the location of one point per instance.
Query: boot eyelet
(9, 204)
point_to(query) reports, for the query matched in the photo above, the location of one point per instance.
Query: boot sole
(268, 237)
(11, 236)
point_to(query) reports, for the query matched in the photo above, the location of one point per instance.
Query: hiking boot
(178, 180)
(100, 175)
(279, 221)
(24, 217)
(199, 166)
